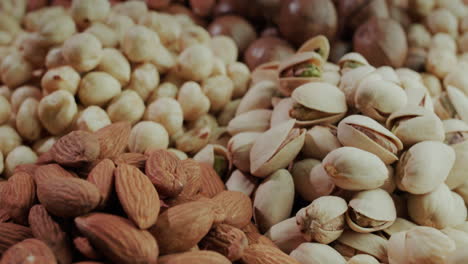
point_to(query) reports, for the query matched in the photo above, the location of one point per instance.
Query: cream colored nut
(5, 38)
(44, 144)
(192, 100)
(286, 235)
(194, 35)
(440, 62)
(134, 9)
(432, 83)
(98, 88)
(19, 155)
(463, 43)
(389, 185)
(355, 169)
(35, 19)
(351, 79)
(219, 68)
(457, 175)
(9, 139)
(144, 80)
(148, 135)
(55, 58)
(228, 112)
(224, 48)
(2, 165)
(259, 96)
(57, 30)
(273, 200)
(164, 59)
(206, 120)
(8, 23)
(195, 63)
(443, 41)
(85, 12)
(106, 35)
(458, 78)
(424, 167)
(193, 140)
(15, 70)
(28, 124)
(320, 140)
(252, 121)
(82, 51)
(363, 259)
(174, 78)
(22, 93)
(418, 36)
(165, 89)
(351, 61)
(119, 23)
(127, 106)
(461, 240)
(180, 154)
(34, 48)
(16, 9)
(57, 111)
(311, 180)
(239, 147)
(315, 253)
(389, 74)
(139, 44)
(167, 27)
(399, 225)
(5, 110)
(323, 220)
(241, 182)
(216, 156)
(239, 73)
(351, 243)
(5, 92)
(452, 103)
(92, 119)
(60, 78)
(442, 20)
(460, 211)
(167, 112)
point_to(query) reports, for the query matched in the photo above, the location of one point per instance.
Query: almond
(165, 172)
(76, 149)
(88, 262)
(113, 139)
(47, 230)
(138, 197)
(194, 257)
(263, 254)
(227, 240)
(211, 182)
(29, 251)
(28, 168)
(50, 170)
(67, 197)
(45, 158)
(102, 175)
(257, 238)
(181, 227)
(118, 239)
(194, 177)
(83, 245)
(4, 216)
(136, 159)
(238, 207)
(11, 234)
(18, 197)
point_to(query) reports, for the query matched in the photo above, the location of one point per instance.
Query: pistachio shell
(371, 206)
(363, 259)
(389, 184)
(310, 181)
(257, 97)
(419, 97)
(367, 243)
(457, 175)
(460, 211)
(286, 235)
(209, 155)
(318, 44)
(274, 199)
(423, 167)
(252, 121)
(459, 101)
(353, 57)
(266, 72)
(331, 77)
(389, 74)
(399, 225)
(239, 146)
(276, 148)
(238, 181)
(367, 134)
(320, 140)
(281, 111)
(315, 253)
(351, 79)
(454, 125)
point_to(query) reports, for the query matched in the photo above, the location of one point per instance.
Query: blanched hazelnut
(15, 70)
(44, 144)
(114, 63)
(167, 112)
(134, 9)
(127, 106)
(5, 110)
(34, 20)
(192, 100)
(58, 29)
(82, 51)
(8, 23)
(219, 90)
(144, 80)
(139, 44)
(442, 20)
(54, 58)
(19, 155)
(119, 23)
(85, 12)
(92, 119)
(60, 78)
(239, 73)
(22, 93)
(224, 48)
(104, 33)
(5, 92)
(167, 27)
(34, 49)
(219, 68)
(165, 89)
(193, 35)
(440, 62)
(98, 88)
(28, 124)
(239, 29)
(57, 111)
(148, 135)
(418, 36)
(9, 139)
(195, 63)
(443, 41)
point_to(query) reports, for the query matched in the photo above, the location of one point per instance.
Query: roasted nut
(167, 112)
(28, 124)
(98, 88)
(57, 111)
(82, 51)
(61, 78)
(127, 106)
(192, 100)
(15, 70)
(195, 62)
(219, 90)
(5, 110)
(139, 44)
(84, 12)
(148, 135)
(92, 119)
(9, 139)
(114, 63)
(106, 35)
(19, 155)
(144, 80)
(167, 27)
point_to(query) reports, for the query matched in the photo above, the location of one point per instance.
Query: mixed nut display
(215, 132)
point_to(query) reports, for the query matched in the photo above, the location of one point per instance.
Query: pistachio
(266, 72)
(257, 97)
(320, 140)
(252, 121)
(318, 44)
(440, 62)
(457, 78)
(310, 180)
(239, 147)
(363, 259)
(452, 104)
(315, 253)
(351, 61)
(399, 225)
(456, 136)
(241, 182)
(286, 235)
(217, 157)
(351, 79)
(351, 243)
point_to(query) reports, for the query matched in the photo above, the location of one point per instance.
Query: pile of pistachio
(84, 67)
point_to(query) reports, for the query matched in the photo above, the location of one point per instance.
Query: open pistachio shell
(312, 104)
(320, 140)
(407, 75)
(389, 74)
(358, 243)
(370, 211)
(276, 148)
(459, 101)
(423, 167)
(257, 97)
(299, 69)
(286, 235)
(460, 211)
(239, 146)
(413, 124)
(241, 182)
(331, 67)
(457, 175)
(389, 184)
(331, 77)
(323, 220)
(367, 134)
(351, 61)
(217, 157)
(281, 111)
(318, 44)
(351, 79)
(315, 253)
(252, 121)
(419, 97)
(265, 72)
(399, 225)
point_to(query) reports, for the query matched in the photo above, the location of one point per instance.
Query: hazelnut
(85, 12)
(148, 135)
(192, 100)
(219, 90)
(144, 80)
(21, 94)
(139, 44)
(19, 155)
(127, 106)
(9, 139)
(28, 124)
(114, 63)
(92, 119)
(167, 112)
(224, 48)
(134, 9)
(82, 51)
(60, 78)
(54, 58)
(195, 63)
(5, 110)
(58, 29)
(104, 33)
(15, 70)
(57, 111)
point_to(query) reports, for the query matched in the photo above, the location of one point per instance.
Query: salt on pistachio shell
(413, 124)
(367, 134)
(363, 259)
(266, 72)
(286, 235)
(420, 244)
(239, 147)
(323, 220)
(299, 69)
(399, 225)
(355, 169)
(315, 253)
(274, 199)
(379, 98)
(423, 167)
(312, 104)
(370, 211)
(351, 61)
(241, 182)
(352, 243)
(318, 44)
(217, 157)
(257, 97)
(452, 104)
(351, 79)
(276, 148)
(252, 121)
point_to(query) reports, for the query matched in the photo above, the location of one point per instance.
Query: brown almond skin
(136, 159)
(76, 149)
(27, 250)
(83, 245)
(68, 197)
(263, 254)
(238, 207)
(50, 170)
(28, 168)
(45, 158)
(181, 227)
(194, 257)
(137, 195)
(113, 139)
(257, 238)
(102, 175)
(211, 182)
(18, 197)
(118, 238)
(48, 231)
(193, 171)
(226, 240)
(11, 234)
